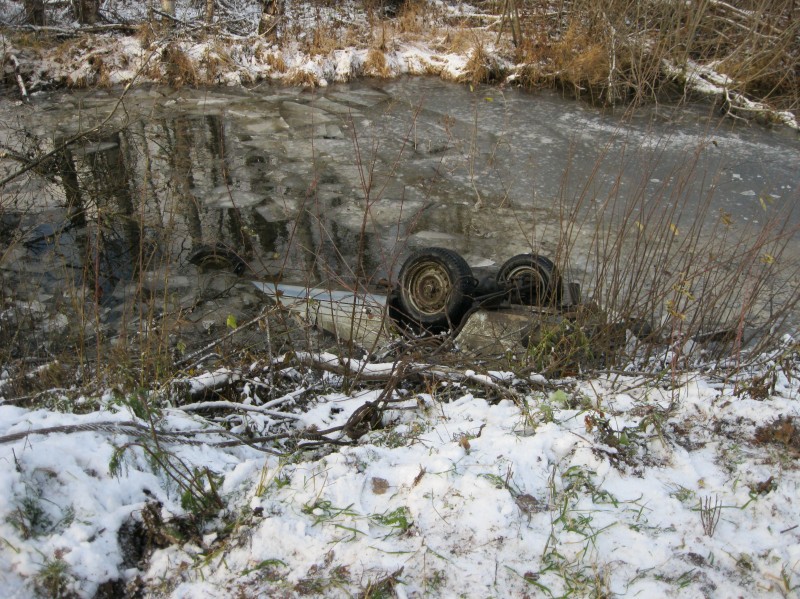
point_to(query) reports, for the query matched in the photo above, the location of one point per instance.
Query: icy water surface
(341, 183)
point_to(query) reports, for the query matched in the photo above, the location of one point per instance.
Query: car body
(437, 294)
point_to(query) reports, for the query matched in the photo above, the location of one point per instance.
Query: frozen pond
(340, 183)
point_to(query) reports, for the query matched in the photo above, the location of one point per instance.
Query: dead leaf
(418, 477)
(528, 503)
(379, 485)
(766, 486)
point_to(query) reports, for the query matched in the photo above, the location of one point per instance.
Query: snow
(468, 497)
(704, 79)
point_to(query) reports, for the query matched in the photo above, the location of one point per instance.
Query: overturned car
(437, 295)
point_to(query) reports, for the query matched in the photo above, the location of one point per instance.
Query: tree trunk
(34, 12)
(72, 188)
(168, 7)
(270, 19)
(183, 179)
(209, 11)
(87, 11)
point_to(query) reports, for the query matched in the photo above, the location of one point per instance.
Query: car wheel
(434, 288)
(532, 280)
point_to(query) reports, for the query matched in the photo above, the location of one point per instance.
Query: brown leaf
(418, 477)
(379, 485)
(528, 503)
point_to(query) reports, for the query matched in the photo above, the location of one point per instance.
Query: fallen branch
(289, 396)
(704, 80)
(20, 82)
(232, 405)
(67, 32)
(169, 16)
(137, 429)
(442, 373)
(355, 368)
(330, 363)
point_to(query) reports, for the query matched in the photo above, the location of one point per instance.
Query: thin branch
(231, 405)
(187, 359)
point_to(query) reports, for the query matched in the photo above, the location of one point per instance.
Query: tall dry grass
(614, 51)
(712, 288)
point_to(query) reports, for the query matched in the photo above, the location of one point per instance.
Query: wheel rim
(429, 288)
(531, 283)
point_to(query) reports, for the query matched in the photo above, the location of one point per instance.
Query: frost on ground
(617, 485)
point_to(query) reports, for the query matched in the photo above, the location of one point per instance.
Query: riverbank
(319, 43)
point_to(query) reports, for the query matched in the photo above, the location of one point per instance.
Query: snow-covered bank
(617, 485)
(323, 43)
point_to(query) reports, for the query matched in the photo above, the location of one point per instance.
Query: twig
(135, 428)
(791, 528)
(187, 359)
(103, 426)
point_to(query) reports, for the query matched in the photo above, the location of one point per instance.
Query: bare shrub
(710, 512)
(699, 279)
(613, 51)
(179, 69)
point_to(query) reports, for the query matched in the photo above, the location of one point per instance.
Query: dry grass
(37, 41)
(147, 33)
(614, 51)
(578, 62)
(215, 61)
(457, 41)
(413, 18)
(179, 70)
(300, 78)
(375, 64)
(325, 39)
(275, 61)
(482, 67)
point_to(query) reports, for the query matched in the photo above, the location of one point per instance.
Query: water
(340, 183)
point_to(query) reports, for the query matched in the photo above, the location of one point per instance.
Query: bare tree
(86, 11)
(34, 12)
(271, 13)
(209, 11)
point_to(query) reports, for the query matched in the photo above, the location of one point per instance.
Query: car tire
(532, 280)
(435, 286)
